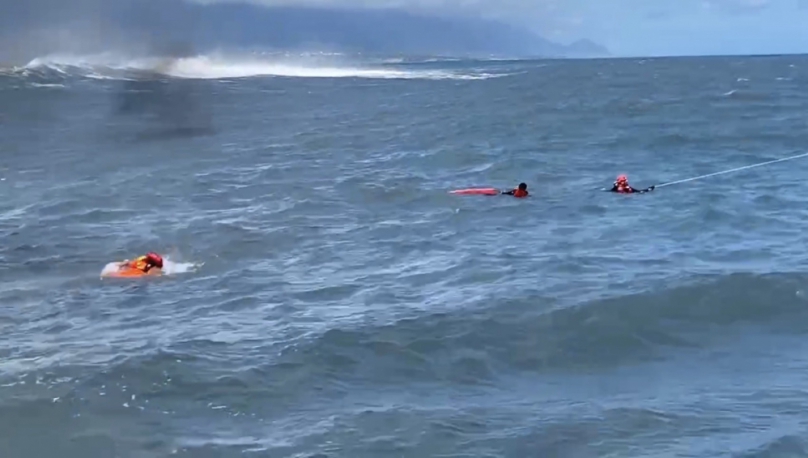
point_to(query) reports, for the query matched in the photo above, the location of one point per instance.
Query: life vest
(624, 189)
(519, 193)
(142, 263)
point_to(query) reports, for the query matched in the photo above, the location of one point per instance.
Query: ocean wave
(200, 377)
(219, 66)
(788, 445)
(473, 346)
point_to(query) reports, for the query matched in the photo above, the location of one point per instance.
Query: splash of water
(219, 66)
(174, 267)
(169, 267)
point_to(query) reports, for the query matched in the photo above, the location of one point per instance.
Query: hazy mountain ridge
(182, 27)
(375, 31)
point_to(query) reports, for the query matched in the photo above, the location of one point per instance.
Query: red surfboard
(477, 191)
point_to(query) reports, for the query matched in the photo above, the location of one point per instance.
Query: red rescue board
(477, 191)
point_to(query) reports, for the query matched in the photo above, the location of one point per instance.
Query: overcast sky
(636, 27)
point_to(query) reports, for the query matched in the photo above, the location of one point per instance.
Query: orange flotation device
(126, 271)
(148, 265)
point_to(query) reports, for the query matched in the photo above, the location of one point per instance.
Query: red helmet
(622, 179)
(156, 259)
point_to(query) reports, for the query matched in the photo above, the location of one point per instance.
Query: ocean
(327, 297)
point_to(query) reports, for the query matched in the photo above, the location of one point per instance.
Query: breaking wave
(217, 66)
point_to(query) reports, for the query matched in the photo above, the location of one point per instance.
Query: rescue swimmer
(150, 263)
(519, 192)
(621, 186)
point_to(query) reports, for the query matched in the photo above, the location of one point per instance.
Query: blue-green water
(348, 306)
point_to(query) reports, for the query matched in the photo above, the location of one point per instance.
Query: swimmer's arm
(637, 191)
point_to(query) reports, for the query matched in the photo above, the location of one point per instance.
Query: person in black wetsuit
(521, 191)
(621, 186)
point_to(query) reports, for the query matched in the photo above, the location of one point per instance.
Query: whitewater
(222, 65)
(328, 297)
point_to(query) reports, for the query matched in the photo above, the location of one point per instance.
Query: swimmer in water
(519, 192)
(621, 186)
(150, 263)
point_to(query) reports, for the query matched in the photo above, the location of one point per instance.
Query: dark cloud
(32, 28)
(145, 106)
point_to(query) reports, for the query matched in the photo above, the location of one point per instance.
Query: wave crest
(475, 345)
(219, 66)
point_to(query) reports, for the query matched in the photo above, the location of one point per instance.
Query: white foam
(47, 85)
(204, 67)
(169, 267)
(110, 268)
(173, 268)
(219, 66)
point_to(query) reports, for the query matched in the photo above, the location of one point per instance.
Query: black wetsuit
(632, 190)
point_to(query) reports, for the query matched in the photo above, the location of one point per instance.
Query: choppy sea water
(329, 298)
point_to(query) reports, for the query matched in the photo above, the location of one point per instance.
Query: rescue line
(737, 169)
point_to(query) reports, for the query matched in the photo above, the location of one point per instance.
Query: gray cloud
(738, 6)
(541, 13)
(511, 6)
(37, 27)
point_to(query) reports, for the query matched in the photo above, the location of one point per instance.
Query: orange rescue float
(124, 270)
(150, 264)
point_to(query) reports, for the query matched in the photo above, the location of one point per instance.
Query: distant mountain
(359, 30)
(167, 26)
(586, 48)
